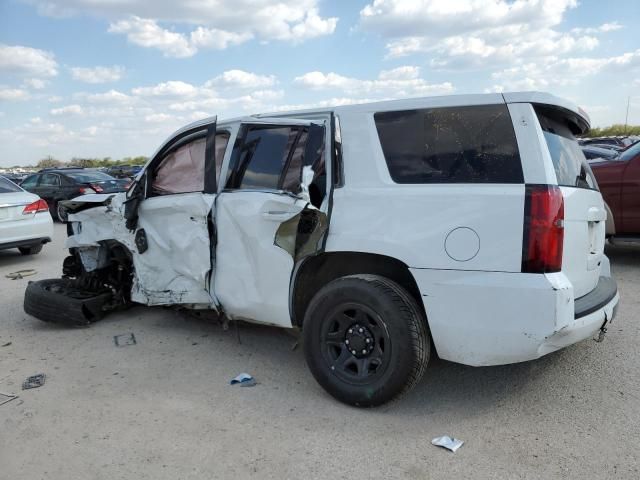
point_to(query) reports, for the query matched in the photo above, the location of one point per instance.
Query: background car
(123, 171)
(591, 153)
(619, 141)
(56, 184)
(25, 222)
(619, 181)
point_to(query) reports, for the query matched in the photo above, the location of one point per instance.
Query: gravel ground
(164, 409)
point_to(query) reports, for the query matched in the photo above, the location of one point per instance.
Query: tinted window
(474, 144)
(30, 182)
(569, 162)
(50, 180)
(7, 186)
(90, 177)
(259, 160)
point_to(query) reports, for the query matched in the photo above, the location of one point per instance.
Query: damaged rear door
(170, 214)
(270, 214)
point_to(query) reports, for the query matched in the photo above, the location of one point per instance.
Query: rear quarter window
(473, 144)
(7, 186)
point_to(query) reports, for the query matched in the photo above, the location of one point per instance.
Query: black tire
(61, 215)
(32, 250)
(361, 310)
(61, 301)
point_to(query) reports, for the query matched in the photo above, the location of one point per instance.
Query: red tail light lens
(36, 207)
(97, 188)
(86, 190)
(543, 238)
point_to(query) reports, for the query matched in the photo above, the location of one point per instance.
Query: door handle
(277, 215)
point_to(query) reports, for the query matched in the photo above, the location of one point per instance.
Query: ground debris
(20, 274)
(449, 443)
(6, 397)
(34, 381)
(7, 344)
(125, 340)
(244, 380)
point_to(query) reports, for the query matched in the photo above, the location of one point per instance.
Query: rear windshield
(7, 186)
(569, 162)
(89, 177)
(473, 144)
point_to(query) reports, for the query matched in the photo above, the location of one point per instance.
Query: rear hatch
(584, 212)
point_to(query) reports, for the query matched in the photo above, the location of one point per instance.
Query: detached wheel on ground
(32, 250)
(63, 301)
(365, 340)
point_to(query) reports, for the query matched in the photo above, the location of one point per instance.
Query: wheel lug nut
(351, 330)
(364, 351)
(346, 342)
(361, 330)
(368, 340)
(353, 352)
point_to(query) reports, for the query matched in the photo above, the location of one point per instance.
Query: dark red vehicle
(619, 181)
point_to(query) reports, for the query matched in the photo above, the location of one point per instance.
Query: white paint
(462, 244)
(14, 226)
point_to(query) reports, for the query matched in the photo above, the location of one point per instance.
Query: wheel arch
(316, 271)
(610, 223)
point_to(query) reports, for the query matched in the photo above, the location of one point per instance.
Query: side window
(30, 182)
(474, 144)
(182, 169)
(50, 180)
(222, 139)
(260, 159)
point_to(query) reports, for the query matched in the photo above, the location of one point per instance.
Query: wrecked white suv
(468, 224)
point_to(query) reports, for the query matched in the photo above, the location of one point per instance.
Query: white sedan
(25, 221)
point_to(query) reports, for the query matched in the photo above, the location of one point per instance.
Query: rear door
(260, 210)
(630, 199)
(584, 213)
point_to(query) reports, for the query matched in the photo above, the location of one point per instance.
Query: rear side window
(7, 186)
(474, 144)
(569, 162)
(260, 161)
(30, 182)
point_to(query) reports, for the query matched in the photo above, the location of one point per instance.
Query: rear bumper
(25, 232)
(24, 243)
(495, 318)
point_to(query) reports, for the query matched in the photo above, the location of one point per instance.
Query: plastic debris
(244, 380)
(20, 274)
(7, 344)
(125, 340)
(449, 443)
(6, 397)
(34, 381)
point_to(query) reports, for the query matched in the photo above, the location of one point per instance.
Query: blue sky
(96, 78)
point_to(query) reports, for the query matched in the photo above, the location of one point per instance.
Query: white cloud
(147, 33)
(561, 71)
(97, 74)
(35, 83)
(54, 99)
(111, 96)
(464, 34)
(13, 94)
(27, 61)
(241, 79)
(219, 24)
(167, 89)
(399, 82)
(74, 109)
(157, 118)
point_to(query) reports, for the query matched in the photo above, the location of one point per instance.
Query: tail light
(543, 236)
(36, 207)
(97, 188)
(86, 190)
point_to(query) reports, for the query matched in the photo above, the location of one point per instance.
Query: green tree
(49, 162)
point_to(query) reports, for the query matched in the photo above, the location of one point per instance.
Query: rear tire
(365, 340)
(63, 301)
(61, 215)
(32, 250)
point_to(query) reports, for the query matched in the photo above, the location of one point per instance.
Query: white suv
(470, 224)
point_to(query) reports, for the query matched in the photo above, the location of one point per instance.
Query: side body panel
(630, 198)
(610, 177)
